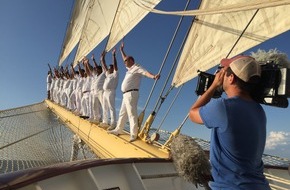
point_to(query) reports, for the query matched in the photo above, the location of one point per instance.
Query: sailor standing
(110, 85)
(97, 93)
(78, 93)
(130, 88)
(72, 96)
(48, 83)
(86, 89)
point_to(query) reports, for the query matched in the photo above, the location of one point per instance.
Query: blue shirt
(237, 143)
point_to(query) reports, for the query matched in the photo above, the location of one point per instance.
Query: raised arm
(80, 69)
(87, 66)
(103, 61)
(114, 60)
(122, 51)
(94, 60)
(73, 73)
(50, 70)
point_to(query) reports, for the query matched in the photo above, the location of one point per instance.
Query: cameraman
(238, 125)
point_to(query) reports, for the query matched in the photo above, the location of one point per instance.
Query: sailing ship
(143, 164)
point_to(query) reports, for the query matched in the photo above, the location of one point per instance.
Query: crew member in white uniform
(130, 89)
(48, 84)
(110, 85)
(72, 98)
(79, 94)
(97, 93)
(86, 89)
(53, 78)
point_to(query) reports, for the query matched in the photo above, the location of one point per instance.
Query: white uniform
(48, 85)
(86, 95)
(73, 96)
(79, 93)
(110, 85)
(51, 88)
(60, 90)
(97, 96)
(56, 89)
(70, 96)
(130, 88)
(64, 92)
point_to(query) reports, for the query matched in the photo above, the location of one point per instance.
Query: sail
(128, 16)
(97, 26)
(212, 37)
(74, 28)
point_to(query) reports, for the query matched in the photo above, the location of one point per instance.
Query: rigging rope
(164, 60)
(243, 32)
(143, 134)
(68, 23)
(165, 116)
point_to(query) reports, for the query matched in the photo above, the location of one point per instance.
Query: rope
(166, 55)
(68, 23)
(243, 32)
(165, 116)
(23, 139)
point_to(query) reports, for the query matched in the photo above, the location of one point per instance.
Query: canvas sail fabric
(113, 18)
(129, 14)
(74, 29)
(243, 6)
(212, 36)
(97, 26)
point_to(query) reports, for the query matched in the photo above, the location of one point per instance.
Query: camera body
(273, 88)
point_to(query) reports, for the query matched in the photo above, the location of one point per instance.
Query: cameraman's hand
(219, 78)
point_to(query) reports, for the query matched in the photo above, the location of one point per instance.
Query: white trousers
(78, 100)
(97, 105)
(85, 104)
(51, 94)
(129, 110)
(57, 96)
(63, 97)
(109, 107)
(71, 105)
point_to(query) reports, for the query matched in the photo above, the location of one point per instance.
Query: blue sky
(32, 32)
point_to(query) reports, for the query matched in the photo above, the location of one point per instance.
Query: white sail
(74, 29)
(97, 26)
(128, 16)
(212, 36)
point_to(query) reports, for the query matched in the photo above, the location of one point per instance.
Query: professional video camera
(273, 88)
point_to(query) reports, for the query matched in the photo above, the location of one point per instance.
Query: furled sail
(74, 29)
(212, 37)
(128, 16)
(97, 26)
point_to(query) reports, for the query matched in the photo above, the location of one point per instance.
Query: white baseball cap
(243, 66)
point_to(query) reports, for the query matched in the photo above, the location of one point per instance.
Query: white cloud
(277, 138)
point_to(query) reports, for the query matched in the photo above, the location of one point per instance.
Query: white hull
(116, 174)
(113, 174)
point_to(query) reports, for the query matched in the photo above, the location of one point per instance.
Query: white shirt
(52, 84)
(80, 82)
(48, 81)
(87, 84)
(98, 82)
(66, 84)
(56, 84)
(133, 78)
(111, 80)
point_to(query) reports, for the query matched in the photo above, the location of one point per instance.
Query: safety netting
(33, 136)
